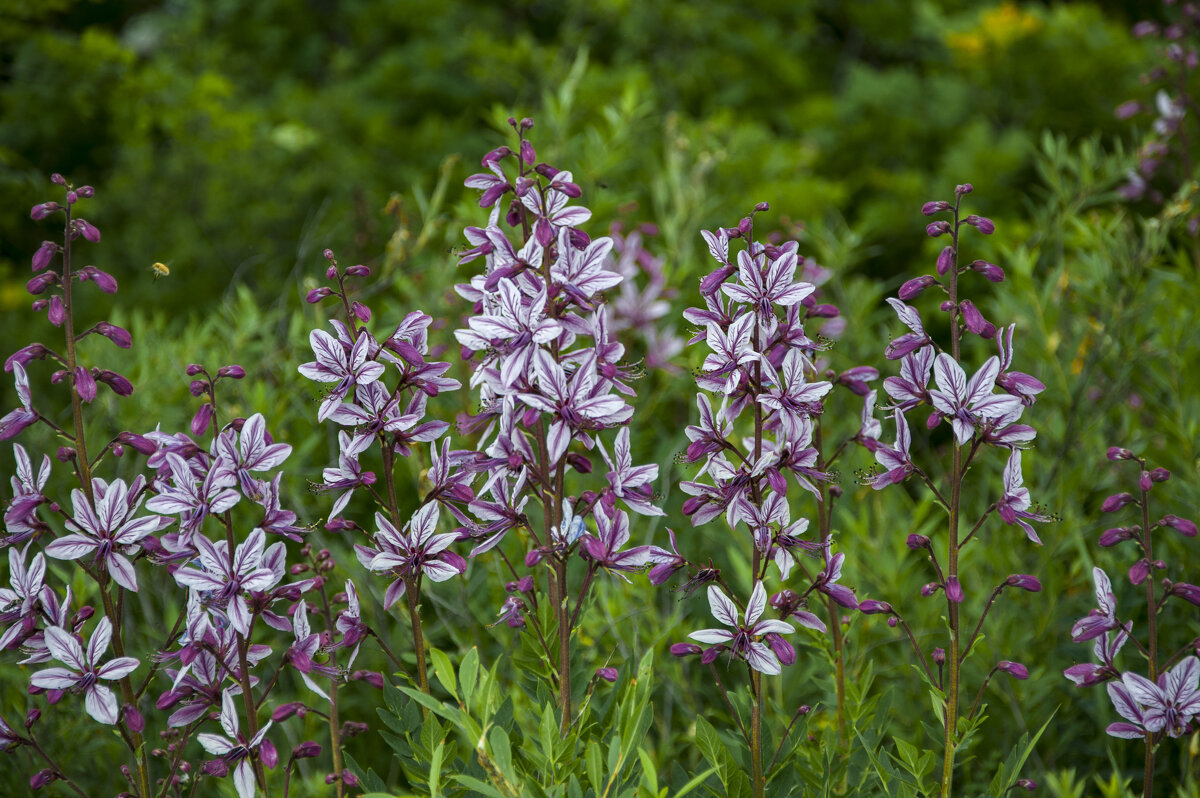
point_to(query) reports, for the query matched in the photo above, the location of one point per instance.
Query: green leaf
(1010, 769)
(594, 766)
(501, 750)
(435, 769)
(475, 785)
(444, 670)
(468, 672)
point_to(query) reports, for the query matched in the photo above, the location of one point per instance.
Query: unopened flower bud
(72, 198)
(1182, 525)
(685, 649)
(964, 188)
(990, 271)
(916, 285)
(579, 462)
(39, 212)
(56, 313)
(873, 607)
(936, 229)
(328, 255)
(533, 558)
(306, 750)
(1139, 571)
(86, 192)
(526, 123)
(945, 258)
(917, 542)
(45, 253)
(361, 311)
(939, 656)
(233, 372)
(930, 588)
(781, 648)
(358, 270)
(1117, 453)
(202, 419)
(1116, 502)
(1187, 592)
(40, 779)
(974, 320)
(954, 590)
(930, 208)
(58, 179)
(1013, 669)
(373, 678)
(285, 711)
(892, 621)
(317, 294)
(197, 387)
(87, 230)
(39, 284)
(353, 728)
(761, 207)
(1160, 475)
(1025, 582)
(133, 719)
(1027, 784)
(607, 674)
(32, 717)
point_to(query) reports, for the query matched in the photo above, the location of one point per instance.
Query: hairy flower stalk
(1167, 702)
(979, 417)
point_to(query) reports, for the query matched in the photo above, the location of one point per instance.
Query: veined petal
(117, 668)
(712, 636)
(101, 704)
(54, 679)
(722, 607)
(215, 744)
(65, 648)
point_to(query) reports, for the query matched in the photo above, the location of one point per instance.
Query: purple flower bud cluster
(1167, 703)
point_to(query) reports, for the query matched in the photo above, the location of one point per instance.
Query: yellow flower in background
(999, 27)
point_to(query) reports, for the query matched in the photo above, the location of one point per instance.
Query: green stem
(756, 733)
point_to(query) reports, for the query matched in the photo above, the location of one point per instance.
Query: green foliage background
(234, 140)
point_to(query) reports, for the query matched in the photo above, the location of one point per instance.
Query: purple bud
(306, 750)
(85, 384)
(86, 192)
(981, 223)
(712, 282)
(974, 320)
(32, 717)
(361, 311)
(963, 188)
(824, 311)
(203, 417)
(1127, 109)
(317, 294)
(133, 719)
(990, 271)
(55, 312)
(1115, 453)
(140, 444)
(945, 257)
(39, 284)
(358, 270)
(268, 754)
(87, 230)
(916, 285)
(40, 779)
(526, 123)
(328, 255)
(745, 226)
(782, 648)
(954, 590)
(939, 656)
(331, 273)
(917, 542)
(1145, 28)
(1160, 475)
(873, 607)
(607, 674)
(233, 372)
(1013, 669)
(1025, 582)
(72, 198)
(929, 588)
(935, 229)
(373, 678)
(496, 155)
(1111, 537)
(1139, 571)
(930, 208)
(45, 253)
(533, 558)
(285, 711)
(892, 621)
(527, 153)
(38, 212)
(579, 462)
(193, 369)
(1182, 525)
(118, 335)
(1027, 784)
(1144, 482)
(684, 649)
(1187, 592)
(198, 387)
(1116, 502)
(103, 280)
